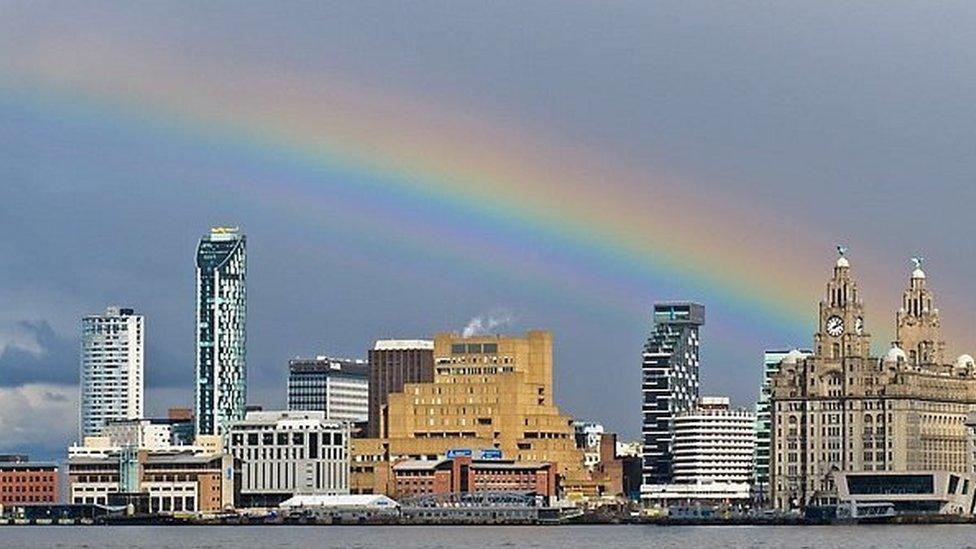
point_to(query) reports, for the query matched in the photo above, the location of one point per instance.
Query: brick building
(394, 363)
(464, 474)
(27, 482)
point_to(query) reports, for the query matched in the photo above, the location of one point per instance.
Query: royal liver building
(843, 410)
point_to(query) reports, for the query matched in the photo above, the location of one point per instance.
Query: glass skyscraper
(669, 382)
(221, 388)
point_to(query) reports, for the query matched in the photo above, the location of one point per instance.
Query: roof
(402, 344)
(273, 418)
(508, 465)
(28, 465)
(493, 464)
(357, 500)
(419, 464)
(151, 458)
(329, 365)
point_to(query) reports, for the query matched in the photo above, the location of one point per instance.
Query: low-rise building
(348, 508)
(588, 435)
(288, 453)
(463, 474)
(907, 493)
(170, 480)
(28, 482)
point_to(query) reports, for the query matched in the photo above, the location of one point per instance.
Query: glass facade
(338, 387)
(221, 388)
(669, 382)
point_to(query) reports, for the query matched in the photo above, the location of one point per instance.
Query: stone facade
(843, 410)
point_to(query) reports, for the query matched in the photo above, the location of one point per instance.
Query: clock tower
(841, 333)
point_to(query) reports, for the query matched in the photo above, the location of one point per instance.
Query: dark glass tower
(221, 388)
(669, 381)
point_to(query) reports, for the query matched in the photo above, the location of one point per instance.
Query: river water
(482, 537)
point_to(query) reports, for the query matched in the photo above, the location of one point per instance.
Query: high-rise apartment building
(843, 410)
(112, 369)
(669, 381)
(337, 386)
(221, 387)
(771, 362)
(392, 364)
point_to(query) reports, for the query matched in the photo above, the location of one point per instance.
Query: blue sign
(491, 453)
(459, 452)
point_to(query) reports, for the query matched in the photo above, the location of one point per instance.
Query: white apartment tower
(112, 369)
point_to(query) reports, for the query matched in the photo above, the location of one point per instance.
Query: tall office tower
(221, 388)
(771, 362)
(337, 386)
(670, 381)
(844, 410)
(112, 363)
(392, 364)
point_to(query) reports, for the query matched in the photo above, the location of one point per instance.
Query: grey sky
(850, 120)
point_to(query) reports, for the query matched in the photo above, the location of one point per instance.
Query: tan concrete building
(843, 410)
(488, 392)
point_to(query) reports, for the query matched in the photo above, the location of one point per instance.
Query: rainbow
(459, 179)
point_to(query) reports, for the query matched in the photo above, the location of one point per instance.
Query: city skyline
(390, 191)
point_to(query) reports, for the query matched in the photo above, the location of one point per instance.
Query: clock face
(859, 325)
(835, 326)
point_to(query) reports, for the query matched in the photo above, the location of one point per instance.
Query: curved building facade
(221, 387)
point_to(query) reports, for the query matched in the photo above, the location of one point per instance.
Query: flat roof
(402, 344)
(28, 465)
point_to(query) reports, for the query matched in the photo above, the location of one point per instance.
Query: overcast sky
(847, 121)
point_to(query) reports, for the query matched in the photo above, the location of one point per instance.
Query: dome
(918, 273)
(843, 262)
(895, 354)
(964, 361)
(794, 356)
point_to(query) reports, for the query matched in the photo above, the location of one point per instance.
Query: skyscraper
(112, 362)
(221, 388)
(669, 381)
(337, 386)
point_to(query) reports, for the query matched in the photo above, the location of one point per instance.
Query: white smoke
(484, 324)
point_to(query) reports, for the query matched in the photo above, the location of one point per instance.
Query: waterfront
(562, 537)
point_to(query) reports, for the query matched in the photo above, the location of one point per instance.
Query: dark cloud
(40, 355)
(54, 359)
(848, 121)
